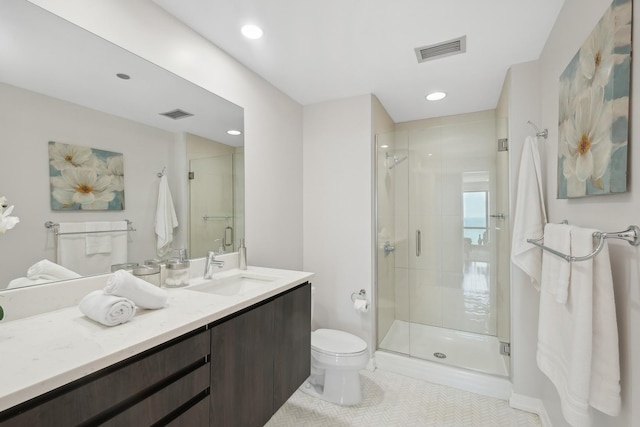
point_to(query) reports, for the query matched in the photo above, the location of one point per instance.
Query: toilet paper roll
(361, 305)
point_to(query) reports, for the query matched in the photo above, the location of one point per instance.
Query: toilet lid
(332, 341)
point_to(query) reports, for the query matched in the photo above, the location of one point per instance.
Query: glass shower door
(437, 209)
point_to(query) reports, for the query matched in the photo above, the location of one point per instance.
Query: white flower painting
(84, 178)
(593, 120)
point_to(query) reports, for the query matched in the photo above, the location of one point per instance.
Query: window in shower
(475, 224)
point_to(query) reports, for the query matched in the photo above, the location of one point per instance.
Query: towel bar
(54, 226)
(631, 235)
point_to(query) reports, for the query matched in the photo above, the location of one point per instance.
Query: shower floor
(462, 349)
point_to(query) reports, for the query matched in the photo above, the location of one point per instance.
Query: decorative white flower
(115, 169)
(596, 54)
(6, 222)
(82, 186)
(64, 156)
(586, 144)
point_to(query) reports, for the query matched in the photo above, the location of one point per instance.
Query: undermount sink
(240, 283)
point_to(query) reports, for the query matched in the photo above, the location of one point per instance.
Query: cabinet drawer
(119, 385)
(161, 404)
(196, 416)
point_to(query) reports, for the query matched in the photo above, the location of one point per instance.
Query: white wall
(273, 121)
(337, 175)
(609, 213)
(523, 107)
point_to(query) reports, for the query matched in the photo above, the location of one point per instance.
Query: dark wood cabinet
(259, 358)
(235, 372)
(155, 386)
(292, 337)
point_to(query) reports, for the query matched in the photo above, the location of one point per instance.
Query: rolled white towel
(22, 282)
(109, 310)
(48, 270)
(143, 294)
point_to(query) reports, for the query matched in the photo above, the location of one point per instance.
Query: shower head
(396, 161)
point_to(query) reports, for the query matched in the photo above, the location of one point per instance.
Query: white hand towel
(604, 389)
(556, 271)
(578, 341)
(71, 249)
(530, 214)
(166, 219)
(143, 294)
(97, 243)
(45, 269)
(109, 310)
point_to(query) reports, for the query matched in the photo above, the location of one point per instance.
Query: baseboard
(530, 404)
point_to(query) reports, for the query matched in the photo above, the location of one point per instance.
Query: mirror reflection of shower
(394, 160)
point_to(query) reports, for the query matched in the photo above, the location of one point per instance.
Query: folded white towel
(143, 294)
(530, 215)
(109, 310)
(578, 341)
(45, 269)
(97, 243)
(556, 272)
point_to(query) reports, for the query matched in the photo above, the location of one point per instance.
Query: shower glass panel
(437, 209)
(211, 200)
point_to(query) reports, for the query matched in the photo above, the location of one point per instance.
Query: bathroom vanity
(216, 355)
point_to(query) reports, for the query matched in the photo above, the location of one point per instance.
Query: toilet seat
(337, 343)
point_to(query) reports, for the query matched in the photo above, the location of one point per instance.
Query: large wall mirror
(61, 83)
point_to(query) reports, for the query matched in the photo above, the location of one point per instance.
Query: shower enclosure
(443, 243)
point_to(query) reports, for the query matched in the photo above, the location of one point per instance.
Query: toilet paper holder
(362, 294)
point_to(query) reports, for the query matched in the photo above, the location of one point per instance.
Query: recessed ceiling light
(123, 76)
(436, 96)
(251, 31)
(234, 132)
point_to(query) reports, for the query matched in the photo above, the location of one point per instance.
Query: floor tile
(392, 400)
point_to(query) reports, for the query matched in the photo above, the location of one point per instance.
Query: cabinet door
(242, 369)
(292, 359)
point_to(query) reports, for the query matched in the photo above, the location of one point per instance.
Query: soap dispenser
(242, 256)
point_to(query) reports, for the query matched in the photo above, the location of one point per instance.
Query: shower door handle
(418, 243)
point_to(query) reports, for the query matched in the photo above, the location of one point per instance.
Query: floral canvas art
(593, 123)
(83, 178)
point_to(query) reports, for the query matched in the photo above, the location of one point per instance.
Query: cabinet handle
(418, 242)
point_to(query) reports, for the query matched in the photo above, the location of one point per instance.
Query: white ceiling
(319, 50)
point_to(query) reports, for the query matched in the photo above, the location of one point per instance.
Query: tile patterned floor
(392, 400)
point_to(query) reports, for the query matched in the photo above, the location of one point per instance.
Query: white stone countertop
(45, 351)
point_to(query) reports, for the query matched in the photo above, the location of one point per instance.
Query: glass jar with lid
(177, 273)
(148, 273)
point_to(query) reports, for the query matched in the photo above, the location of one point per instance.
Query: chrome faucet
(209, 261)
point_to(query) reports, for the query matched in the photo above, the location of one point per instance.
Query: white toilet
(336, 358)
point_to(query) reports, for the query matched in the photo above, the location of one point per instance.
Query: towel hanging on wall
(530, 214)
(166, 219)
(578, 340)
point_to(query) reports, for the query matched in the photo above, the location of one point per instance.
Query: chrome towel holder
(55, 227)
(631, 235)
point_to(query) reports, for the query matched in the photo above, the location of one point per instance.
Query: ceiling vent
(440, 50)
(176, 114)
